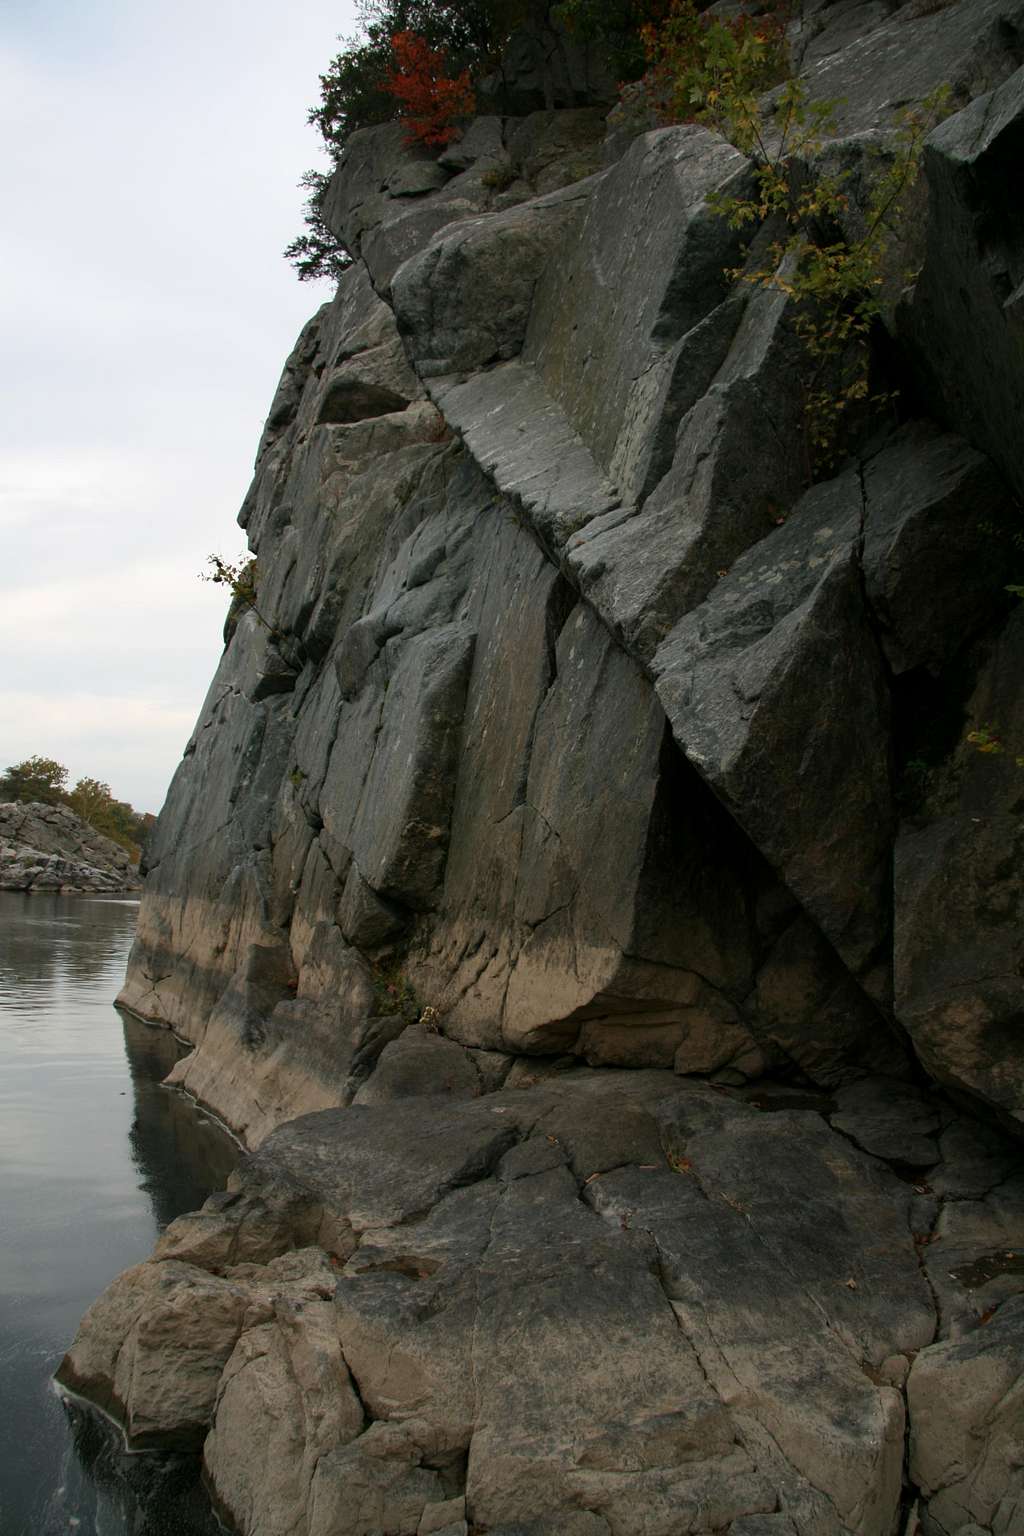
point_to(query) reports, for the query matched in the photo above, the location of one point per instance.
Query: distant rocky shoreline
(49, 848)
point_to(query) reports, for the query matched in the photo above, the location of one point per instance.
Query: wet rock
(544, 1304)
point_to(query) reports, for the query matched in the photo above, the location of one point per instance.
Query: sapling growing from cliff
(835, 279)
(240, 579)
(715, 71)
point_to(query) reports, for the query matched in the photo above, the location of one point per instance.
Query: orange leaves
(430, 102)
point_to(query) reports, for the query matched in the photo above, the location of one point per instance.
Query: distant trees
(45, 780)
(37, 778)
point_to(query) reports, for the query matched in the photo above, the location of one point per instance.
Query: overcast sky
(150, 157)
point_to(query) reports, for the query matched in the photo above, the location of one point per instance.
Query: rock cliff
(49, 848)
(575, 734)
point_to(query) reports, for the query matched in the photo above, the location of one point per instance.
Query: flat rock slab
(616, 1298)
(522, 437)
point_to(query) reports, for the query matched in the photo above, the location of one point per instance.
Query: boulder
(938, 519)
(780, 664)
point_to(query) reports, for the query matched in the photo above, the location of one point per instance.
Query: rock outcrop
(49, 848)
(576, 734)
(602, 1302)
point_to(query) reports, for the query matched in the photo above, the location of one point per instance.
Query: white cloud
(102, 736)
(151, 154)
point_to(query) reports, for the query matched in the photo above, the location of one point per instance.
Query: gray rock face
(960, 902)
(784, 637)
(579, 730)
(49, 848)
(966, 312)
(405, 779)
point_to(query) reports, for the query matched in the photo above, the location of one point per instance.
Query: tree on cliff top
(470, 33)
(354, 90)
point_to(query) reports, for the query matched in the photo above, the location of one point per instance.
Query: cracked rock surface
(612, 1301)
(615, 1298)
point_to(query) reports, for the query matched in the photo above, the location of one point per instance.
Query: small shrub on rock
(431, 102)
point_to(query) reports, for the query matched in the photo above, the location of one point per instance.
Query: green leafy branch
(836, 281)
(240, 578)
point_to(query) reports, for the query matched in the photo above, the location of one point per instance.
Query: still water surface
(95, 1159)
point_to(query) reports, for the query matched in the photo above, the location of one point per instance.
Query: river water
(95, 1159)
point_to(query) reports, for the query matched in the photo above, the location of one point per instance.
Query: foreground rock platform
(606, 1302)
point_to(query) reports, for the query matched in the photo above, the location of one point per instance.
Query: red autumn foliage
(430, 101)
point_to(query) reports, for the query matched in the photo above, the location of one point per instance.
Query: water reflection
(180, 1153)
(113, 1492)
(95, 1158)
(48, 945)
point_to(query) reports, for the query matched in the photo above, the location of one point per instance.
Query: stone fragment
(483, 139)
(418, 1063)
(285, 1390)
(553, 149)
(375, 1484)
(487, 270)
(965, 1398)
(152, 1348)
